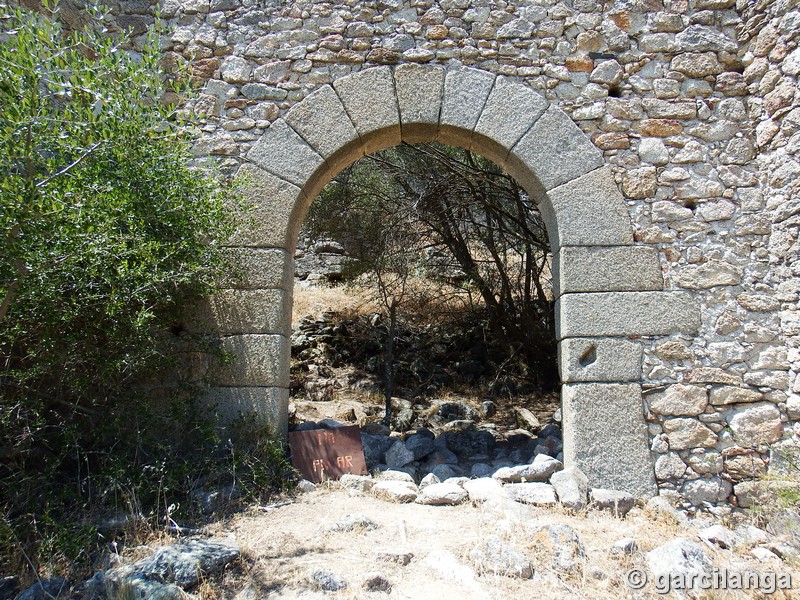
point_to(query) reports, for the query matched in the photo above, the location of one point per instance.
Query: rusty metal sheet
(322, 454)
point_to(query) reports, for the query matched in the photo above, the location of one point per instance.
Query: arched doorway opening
(423, 299)
(609, 291)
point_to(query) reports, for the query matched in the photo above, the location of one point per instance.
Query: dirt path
(283, 548)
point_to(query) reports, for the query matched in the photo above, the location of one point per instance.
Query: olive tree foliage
(106, 232)
(454, 218)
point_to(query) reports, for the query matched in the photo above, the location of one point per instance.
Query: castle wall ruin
(661, 138)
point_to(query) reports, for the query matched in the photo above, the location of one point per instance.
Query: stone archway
(609, 291)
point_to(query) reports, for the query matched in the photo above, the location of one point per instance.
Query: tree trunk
(389, 370)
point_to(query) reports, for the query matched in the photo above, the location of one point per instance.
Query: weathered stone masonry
(686, 283)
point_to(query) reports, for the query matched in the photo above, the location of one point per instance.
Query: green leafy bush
(106, 233)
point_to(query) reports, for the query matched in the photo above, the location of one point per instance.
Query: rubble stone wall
(695, 109)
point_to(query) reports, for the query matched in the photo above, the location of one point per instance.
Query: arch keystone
(419, 98)
(370, 100)
(465, 93)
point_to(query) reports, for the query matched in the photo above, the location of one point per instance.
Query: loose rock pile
(320, 262)
(541, 482)
(462, 448)
(427, 358)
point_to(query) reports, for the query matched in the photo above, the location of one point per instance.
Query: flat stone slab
(609, 269)
(617, 502)
(587, 211)
(605, 435)
(540, 469)
(396, 491)
(626, 314)
(443, 494)
(484, 489)
(600, 359)
(536, 494)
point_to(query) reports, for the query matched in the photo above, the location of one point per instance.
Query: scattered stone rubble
(479, 470)
(164, 575)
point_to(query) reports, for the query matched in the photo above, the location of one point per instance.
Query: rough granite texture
(672, 126)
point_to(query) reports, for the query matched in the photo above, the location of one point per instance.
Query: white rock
(429, 479)
(392, 475)
(442, 494)
(619, 503)
(609, 72)
(446, 565)
(686, 433)
(235, 70)
(755, 424)
(572, 487)
(720, 535)
(791, 64)
(362, 483)
(537, 494)
(679, 400)
(496, 557)
(484, 489)
(765, 555)
(395, 491)
(654, 151)
(670, 466)
(305, 486)
(540, 469)
(752, 535)
(680, 556)
(709, 489)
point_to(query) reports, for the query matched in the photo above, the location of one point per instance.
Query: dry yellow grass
(313, 301)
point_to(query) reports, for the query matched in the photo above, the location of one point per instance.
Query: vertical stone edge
(605, 435)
